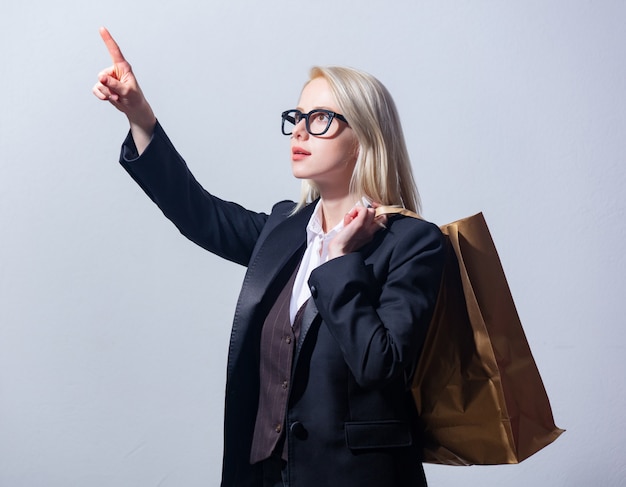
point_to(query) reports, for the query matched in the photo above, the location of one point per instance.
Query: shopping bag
(477, 388)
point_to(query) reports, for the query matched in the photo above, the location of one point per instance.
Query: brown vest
(278, 342)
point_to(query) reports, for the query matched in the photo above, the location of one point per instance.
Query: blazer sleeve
(379, 310)
(224, 228)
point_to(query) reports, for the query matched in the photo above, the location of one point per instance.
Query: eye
(320, 117)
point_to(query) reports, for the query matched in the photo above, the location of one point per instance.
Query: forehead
(317, 94)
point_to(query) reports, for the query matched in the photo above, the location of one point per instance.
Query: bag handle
(386, 210)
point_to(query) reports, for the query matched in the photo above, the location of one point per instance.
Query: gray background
(114, 328)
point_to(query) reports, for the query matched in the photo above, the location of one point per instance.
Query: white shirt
(316, 253)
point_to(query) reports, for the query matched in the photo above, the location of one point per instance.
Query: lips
(298, 153)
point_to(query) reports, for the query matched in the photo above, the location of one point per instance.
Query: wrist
(142, 130)
(334, 252)
(143, 119)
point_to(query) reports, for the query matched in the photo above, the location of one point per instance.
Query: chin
(299, 174)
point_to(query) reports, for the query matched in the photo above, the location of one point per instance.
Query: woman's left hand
(360, 225)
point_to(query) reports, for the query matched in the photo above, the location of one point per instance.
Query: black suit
(350, 420)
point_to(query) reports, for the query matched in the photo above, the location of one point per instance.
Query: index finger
(114, 49)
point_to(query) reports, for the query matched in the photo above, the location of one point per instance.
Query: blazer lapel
(273, 253)
(308, 317)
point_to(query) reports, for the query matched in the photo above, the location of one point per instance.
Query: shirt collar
(315, 229)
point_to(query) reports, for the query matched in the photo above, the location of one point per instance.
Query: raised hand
(118, 85)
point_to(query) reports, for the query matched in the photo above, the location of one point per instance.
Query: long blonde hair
(383, 168)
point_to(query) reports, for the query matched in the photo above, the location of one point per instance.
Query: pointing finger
(114, 49)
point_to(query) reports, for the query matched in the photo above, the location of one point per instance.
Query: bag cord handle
(386, 210)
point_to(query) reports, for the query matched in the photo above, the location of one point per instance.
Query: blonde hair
(383, 168)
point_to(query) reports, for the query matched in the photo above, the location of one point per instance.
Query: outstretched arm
(117, 84)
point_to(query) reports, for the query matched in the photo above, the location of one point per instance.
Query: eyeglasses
(317, 122)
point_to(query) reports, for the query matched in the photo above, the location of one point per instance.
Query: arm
(378, 308)
(223, 228)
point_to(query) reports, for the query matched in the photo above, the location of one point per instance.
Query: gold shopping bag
(477, 388)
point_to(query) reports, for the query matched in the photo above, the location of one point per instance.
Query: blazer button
(314, 291)
(298, 430)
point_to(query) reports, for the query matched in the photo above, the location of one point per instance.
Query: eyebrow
(316, 108)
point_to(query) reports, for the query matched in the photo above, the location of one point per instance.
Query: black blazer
(350, 418)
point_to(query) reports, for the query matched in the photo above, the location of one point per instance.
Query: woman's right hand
(117, 84)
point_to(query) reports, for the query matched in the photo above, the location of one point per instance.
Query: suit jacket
(350, 419)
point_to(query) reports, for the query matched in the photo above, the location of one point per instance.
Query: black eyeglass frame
(286, 116)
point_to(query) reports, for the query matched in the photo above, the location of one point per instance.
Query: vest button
(279, 428)
(314, 291)
(298, 430)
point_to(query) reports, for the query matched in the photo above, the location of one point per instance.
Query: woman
(336, 301)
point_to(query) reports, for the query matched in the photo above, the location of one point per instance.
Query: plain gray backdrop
(114, 328)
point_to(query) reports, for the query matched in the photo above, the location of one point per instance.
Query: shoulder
(413, 249)
(412, 231)
(410, 243)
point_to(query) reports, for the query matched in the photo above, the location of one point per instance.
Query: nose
(299, 130)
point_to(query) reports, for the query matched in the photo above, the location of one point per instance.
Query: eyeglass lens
(317, 122)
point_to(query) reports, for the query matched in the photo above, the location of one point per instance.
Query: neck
(334, 209)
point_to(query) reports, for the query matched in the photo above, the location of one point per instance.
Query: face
(327, 160)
